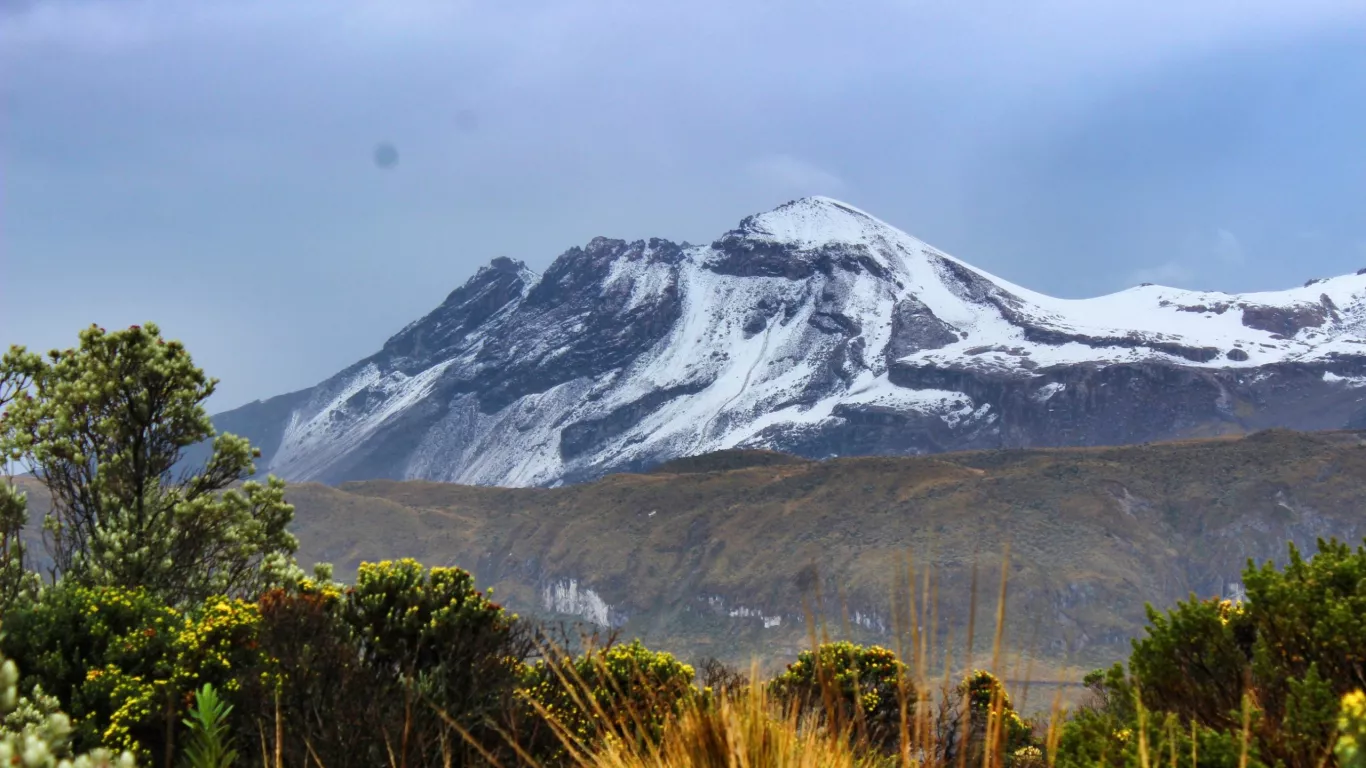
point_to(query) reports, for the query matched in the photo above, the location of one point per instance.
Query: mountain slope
(715, 554)
(814, 329)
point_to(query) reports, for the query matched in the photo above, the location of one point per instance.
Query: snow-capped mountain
(816, 329)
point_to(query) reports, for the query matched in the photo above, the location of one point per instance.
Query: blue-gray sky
(210, 165)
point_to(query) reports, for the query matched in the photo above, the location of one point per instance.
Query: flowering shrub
(33, 734)
(123, 662)
(368, 674)
(861, 683)
(627, 686)
(1351, 746)
(310, 664)
(460, 650)
(993, 719)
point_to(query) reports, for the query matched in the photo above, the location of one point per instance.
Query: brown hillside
(715, 556)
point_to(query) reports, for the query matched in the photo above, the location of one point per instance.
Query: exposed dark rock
(1133, 341)
(1286, 321)
(571, 326)
(582, 436)
(467, 308)
(1218, 309)
(1237, 355)
(836, 323)
(914, 328)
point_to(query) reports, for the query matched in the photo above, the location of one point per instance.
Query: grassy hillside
(719, 555)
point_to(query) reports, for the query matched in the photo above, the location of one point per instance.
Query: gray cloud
(210, 164)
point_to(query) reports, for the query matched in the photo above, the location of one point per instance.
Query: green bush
(370, 673)
(861, 687)
(459, 651)
(310, 673)
(1115, 729)
(123, 663)
(624, 690)
(1291, 652)
(17, 369)
(977, 716)
(34, 734)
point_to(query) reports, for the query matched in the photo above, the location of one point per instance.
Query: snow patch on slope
(360, 407)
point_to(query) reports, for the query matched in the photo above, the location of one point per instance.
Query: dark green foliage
(104, 428)
(372, 672)
(1114, 728)
(122, 663)
(74, 635)
(861, 687)
(311, 674)
(17, 582)
(1194, 661)
(1289, 654)
(17, 369)
(456, 649)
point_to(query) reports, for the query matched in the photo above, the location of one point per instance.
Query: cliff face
(813, 329)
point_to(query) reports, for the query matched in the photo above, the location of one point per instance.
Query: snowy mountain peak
(811, 222)
(813, 328)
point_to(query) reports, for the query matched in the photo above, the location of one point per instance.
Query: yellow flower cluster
(1351, 746)
(1229, 610)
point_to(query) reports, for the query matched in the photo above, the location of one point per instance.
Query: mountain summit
(815, 329)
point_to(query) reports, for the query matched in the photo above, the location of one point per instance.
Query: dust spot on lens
(386, 155)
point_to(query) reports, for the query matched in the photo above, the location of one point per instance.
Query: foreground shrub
(981, 718)
(33, 734)
(1255, 681)
(622, 693)
(310, 675)
(1116, 729)
(864, 687)
(392, 669)
(124, 663)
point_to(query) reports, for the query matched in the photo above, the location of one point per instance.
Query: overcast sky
(209, 164)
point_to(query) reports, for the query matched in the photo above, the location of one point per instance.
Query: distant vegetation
(175, 628)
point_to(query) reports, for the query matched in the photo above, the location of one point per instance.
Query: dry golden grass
(749, 728)
(745, 731)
